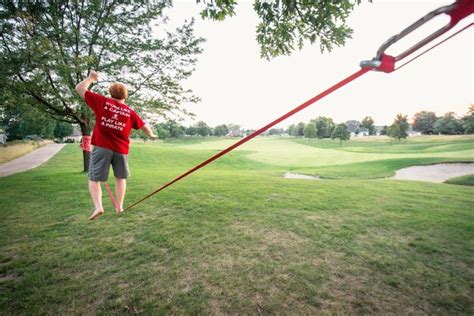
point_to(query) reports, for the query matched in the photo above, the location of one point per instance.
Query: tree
(276, 131)
(424, 122)
(448, 124)
(234, 130)
(399, 127)
(468, 121)
(47, 47)
(203, 129)
(161, 131)
(310, 130)
(221, 130)
(63, 129)
(299, 129)
(341, 131)
(21, 120)
(191, 131)
(291, 130)
(384, 130)
(368, 123)
(353, 125)
(287, 24)
(169, 129)
(324, 126)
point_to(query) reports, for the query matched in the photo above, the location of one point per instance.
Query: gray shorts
(101, 159)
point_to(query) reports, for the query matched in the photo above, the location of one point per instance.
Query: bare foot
(119, 210)
(96, 214)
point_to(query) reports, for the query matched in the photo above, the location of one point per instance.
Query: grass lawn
(464, 180)
(238, 238)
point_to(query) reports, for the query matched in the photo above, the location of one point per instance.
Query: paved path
(30, 160)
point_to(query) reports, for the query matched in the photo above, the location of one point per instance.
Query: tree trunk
(86, 131)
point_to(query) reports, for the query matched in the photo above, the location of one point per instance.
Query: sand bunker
(435, 173)
(290, 175)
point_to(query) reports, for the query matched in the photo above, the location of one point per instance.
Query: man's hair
(118, 91)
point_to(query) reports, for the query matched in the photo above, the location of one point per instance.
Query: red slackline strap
(258, 132)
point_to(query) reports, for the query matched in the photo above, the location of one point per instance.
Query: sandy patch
(435, 173)
(290, 175)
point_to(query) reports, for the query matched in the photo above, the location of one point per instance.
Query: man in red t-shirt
(113, 122)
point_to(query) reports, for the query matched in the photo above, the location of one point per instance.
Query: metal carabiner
(457, 11)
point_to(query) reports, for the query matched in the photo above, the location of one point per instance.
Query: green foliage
(424, 122)
(399, 128)
(299, 129)
(203, 129)
(276, 131)
(235, 130)
(287, 24)
(341, 132)
(47, 47)
(291, 130)
(310, 130)
(218, 9)
(324, 126)
(448, 124)
(170, 128)
(63, 129)
(221, 130)
(161, 132)
(353, 125)
(384, 130)
(368, 123)
(468, 121)
(21, 120)
(191, 131)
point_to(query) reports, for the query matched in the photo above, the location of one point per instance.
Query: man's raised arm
(82, 86)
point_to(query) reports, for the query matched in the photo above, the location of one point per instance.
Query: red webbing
(111, 195)
(258, 132)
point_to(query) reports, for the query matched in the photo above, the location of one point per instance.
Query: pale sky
(236, 86)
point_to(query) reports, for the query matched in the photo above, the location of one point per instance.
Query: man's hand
(149, 132)
(94, 76)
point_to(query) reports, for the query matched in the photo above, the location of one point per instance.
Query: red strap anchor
(382, 62)
(456, 11)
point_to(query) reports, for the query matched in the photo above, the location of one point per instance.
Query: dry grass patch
(19, 149)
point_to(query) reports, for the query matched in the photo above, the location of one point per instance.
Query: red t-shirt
(113, 122)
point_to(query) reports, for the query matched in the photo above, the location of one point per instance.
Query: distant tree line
(21, 121)
(428, 123)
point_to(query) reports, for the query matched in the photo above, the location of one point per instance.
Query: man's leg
(98, 172)
(120, 188)
(121, 172)
(96, 195)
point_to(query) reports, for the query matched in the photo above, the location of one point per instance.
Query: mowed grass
(327, 159)
(383, 144)
(235, 237)
(464, 180)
